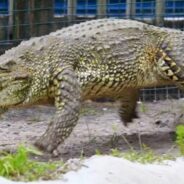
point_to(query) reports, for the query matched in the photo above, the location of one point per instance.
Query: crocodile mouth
(13, 93)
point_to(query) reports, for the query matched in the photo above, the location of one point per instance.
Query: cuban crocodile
(111, 58)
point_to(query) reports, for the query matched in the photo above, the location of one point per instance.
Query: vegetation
(145, 156)
(88, 111)
(142, 107)
(18, 166)
(180, 138)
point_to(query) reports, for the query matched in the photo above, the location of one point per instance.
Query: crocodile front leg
(67, 102)
(127, 110)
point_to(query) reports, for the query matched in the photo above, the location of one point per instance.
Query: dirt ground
(99, 128)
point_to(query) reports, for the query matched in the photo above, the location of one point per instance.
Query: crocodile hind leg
(127, 110)
(67, 102)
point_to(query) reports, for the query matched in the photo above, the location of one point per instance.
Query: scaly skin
(101, 58)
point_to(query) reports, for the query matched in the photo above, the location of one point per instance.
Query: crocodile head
(23, 79)
(14, 83)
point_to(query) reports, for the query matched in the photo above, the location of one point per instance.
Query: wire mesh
(20, 20)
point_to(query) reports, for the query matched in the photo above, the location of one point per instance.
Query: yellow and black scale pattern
(111, 58)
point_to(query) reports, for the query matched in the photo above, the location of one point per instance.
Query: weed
(180, 138)
(18, 166)
(88, 111)
(145, 156)
(115, 138)
(82, 154)
(143, 108)
(98, 152)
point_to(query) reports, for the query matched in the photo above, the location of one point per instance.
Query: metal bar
(130, 9)
(160, 10)
(72, 7)
(102, 8)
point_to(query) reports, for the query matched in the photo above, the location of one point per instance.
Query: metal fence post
(3, 28)
(40, 17)
(102, 8)
(130, 9)
(10, 18)
(160, 10)
(72, 7)
(20, 18)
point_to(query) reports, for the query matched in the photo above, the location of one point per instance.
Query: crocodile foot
(47, 144)
(128, 119)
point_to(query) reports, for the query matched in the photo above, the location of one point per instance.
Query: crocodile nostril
(4, 69)
(19, 77)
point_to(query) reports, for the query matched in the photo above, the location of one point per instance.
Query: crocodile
(111, 58)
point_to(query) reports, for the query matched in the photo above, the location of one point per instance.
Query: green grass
(18, 166)
(143, 107)
(144, 156)
(147, 155)
(88, 111)
(180, 138)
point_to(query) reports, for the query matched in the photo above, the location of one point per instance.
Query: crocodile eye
(10, 63)
(7, 66)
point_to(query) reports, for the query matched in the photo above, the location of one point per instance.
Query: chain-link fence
(20, 19)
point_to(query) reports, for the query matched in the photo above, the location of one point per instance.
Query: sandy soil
(99, 128)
